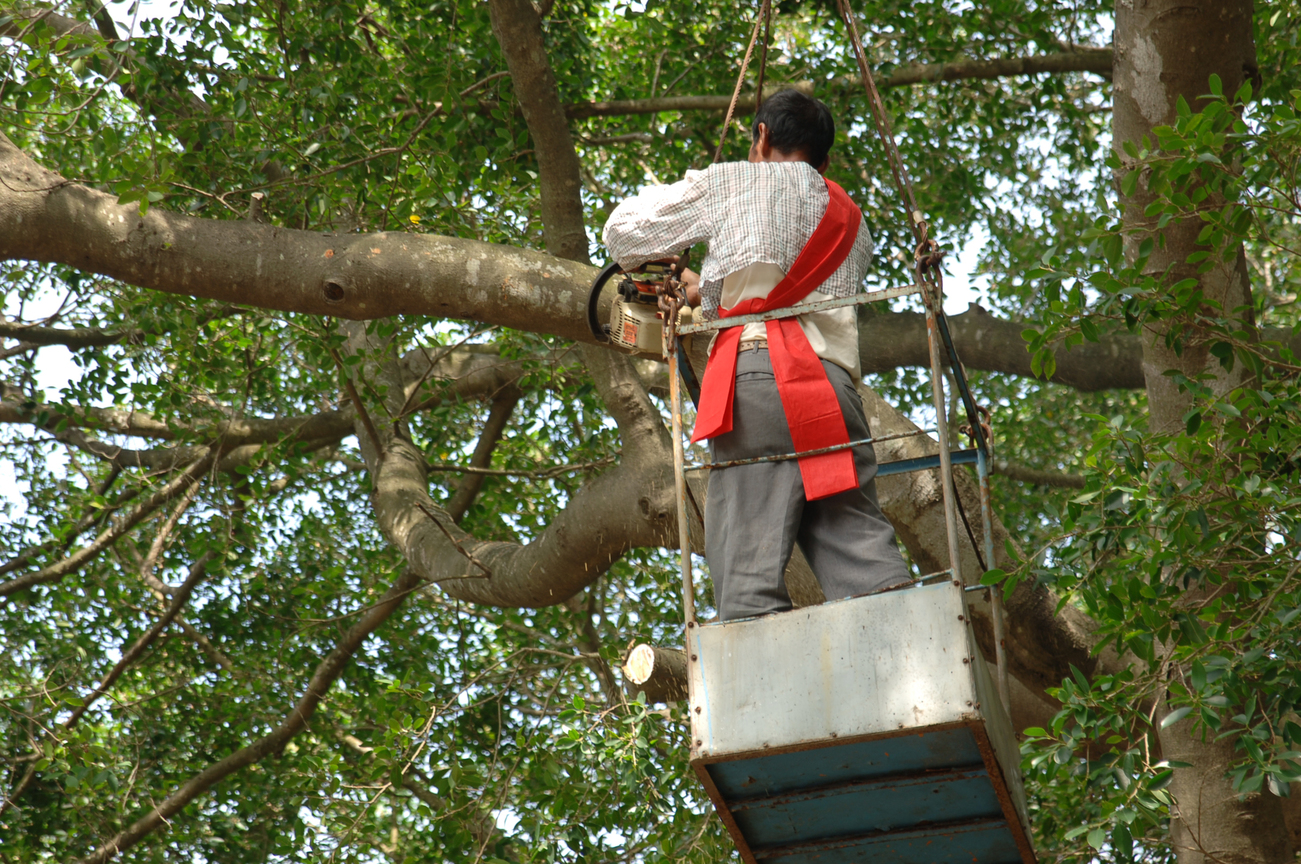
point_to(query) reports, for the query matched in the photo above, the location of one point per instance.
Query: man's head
(792, 127)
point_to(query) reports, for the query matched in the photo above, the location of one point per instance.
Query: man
(779, 234)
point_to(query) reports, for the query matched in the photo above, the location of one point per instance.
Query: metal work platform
(866, 729)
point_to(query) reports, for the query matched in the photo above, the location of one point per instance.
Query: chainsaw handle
(593, 299)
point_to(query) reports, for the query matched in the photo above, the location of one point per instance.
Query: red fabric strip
(808, 398)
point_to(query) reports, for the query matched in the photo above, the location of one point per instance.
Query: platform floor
(924, 797)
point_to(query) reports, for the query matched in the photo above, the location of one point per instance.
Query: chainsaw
(635, 323)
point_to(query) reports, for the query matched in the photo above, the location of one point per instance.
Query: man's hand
(691, 285)
(688, 292)
(688, 286)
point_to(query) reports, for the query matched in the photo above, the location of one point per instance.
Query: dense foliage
(1184, 543)
(462, 733)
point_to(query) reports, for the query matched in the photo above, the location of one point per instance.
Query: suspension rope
(763, 58)
(765, 10)
(882, 122)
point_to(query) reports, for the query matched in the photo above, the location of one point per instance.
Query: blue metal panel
(859, 808)
(983, 842)
(923, 463)
(783, 773)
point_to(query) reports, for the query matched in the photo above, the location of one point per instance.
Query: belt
(754, 345)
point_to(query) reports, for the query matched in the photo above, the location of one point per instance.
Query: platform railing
(940, 343)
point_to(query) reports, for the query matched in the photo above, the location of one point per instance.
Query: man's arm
(660, 222)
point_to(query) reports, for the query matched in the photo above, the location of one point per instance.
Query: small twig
(480, 83)
(487, 574)
(192, 475)
(326, 673)
(182, 596)
(179, 598)
(361, 409)
(433, 366)
(150, 562)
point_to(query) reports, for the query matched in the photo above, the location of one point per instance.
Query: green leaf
(1128, 184)
(1175, 716)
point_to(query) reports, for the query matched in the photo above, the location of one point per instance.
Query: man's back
(748, 213)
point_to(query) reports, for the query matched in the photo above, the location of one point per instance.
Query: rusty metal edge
(724, 811)
(804, 454)
(1019, 832)
(800, 309)
(850, 840)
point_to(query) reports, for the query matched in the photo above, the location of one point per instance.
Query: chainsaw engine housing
(636, 327)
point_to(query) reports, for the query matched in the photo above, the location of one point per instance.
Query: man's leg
(753, 511)
(848, 541)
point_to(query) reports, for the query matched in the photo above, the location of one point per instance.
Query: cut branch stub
(660, 673)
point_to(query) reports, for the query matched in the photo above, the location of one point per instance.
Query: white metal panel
(863, 666)
(998, 726)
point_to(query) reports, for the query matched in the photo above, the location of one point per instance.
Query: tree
(337, 411)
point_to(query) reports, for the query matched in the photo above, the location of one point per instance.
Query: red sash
(809, 400)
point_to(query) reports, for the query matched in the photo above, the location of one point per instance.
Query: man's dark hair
(797, 123)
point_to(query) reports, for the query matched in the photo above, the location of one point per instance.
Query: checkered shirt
(748, 213)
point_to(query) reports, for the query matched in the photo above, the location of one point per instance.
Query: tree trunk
(1165, 50)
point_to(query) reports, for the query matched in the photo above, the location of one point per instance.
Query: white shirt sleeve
(660, 221)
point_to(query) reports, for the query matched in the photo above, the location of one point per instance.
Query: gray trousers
(756, 513)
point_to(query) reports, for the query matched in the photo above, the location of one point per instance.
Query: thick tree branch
(518, 28)
(44, 217)
(889, 340)
(1097, 61)
(365, 276)
(325, 675)
(660, 673)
